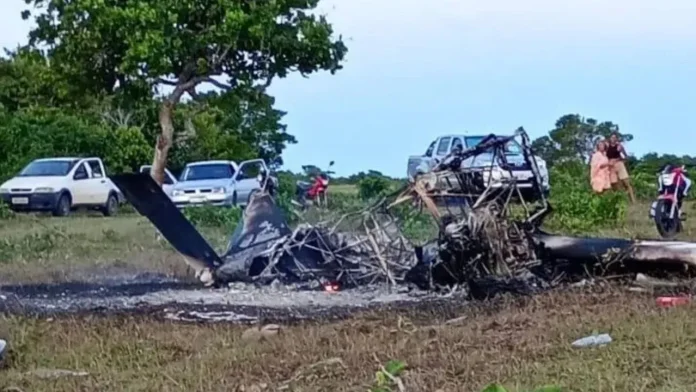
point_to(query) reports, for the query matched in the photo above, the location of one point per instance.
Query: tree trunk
(164, 141)
(166, 138)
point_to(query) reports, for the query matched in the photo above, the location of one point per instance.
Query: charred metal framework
(484, 233)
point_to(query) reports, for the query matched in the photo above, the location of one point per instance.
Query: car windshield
(48, 168)
(511, 147)
(210, 171)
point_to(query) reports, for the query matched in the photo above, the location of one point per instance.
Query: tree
(229, 44)
(574, 138)
(28, 79)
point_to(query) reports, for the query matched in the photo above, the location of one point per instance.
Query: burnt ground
(168, 298)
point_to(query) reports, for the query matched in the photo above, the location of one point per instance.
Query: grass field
(523, 343)
(343, 188)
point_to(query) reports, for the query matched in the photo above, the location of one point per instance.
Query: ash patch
(182, 301)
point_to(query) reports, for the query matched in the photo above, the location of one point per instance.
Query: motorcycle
(665, 210)
(313, 193)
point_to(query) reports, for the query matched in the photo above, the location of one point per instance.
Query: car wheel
(111, 206)
(62, 206)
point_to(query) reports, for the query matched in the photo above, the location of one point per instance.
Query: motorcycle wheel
(666, 226)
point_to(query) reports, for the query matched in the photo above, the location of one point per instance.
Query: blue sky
(419, 69)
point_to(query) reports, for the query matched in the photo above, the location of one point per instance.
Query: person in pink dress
(599, 169)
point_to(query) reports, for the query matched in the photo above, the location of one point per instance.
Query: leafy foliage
(499, 388)
(387, 377)
(224, 218)
(574, 138)
(5, 212)
(106, 42)
(576, 208)
(373, 186)
(44, 132)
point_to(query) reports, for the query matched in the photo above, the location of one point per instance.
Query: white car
(217, 183)
(169, 179)
(60, 185)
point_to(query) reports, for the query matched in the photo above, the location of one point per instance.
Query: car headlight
(44, 190)
(218, 190)
(496, 174)
(4, 190)
(177, 193)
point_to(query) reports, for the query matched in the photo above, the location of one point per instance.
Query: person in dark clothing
(618, 173)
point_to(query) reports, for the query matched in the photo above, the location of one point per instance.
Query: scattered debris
(259, 333)
(593, 340)
(196, 316)
(489, 238)
(456, 320)
(56, 373)
(667, 302)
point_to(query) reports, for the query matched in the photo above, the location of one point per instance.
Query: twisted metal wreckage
(489, 237)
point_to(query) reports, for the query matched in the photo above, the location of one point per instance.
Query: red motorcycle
(315, 192)
(666, 210)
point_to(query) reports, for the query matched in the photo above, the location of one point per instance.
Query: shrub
(219, 217)
(576, 208)
(373, 186)
(5, 212)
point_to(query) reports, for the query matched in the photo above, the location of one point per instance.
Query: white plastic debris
(593, 340)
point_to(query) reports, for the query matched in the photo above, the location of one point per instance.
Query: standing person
(618, 173)
(599, 168)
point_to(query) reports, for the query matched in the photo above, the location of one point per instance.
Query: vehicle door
(443, 147)
(169, 179)
(246, 179)
(80, 184)
(456, 141)
(99, 186)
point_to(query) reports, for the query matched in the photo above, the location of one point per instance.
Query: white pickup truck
(443, 145)
(169, 179)
(60, 185)
(218, 183)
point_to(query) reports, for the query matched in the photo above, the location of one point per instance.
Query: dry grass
(522, 346)
(45, 249)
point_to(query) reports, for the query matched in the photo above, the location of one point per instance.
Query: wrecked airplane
(489, 237)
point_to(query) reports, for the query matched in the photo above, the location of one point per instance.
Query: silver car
(218, 183)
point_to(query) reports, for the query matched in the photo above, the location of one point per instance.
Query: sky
(419, 69)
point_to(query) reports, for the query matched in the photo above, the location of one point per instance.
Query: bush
(373, 186)
(576, 208)
(5, 212)
(225, 218)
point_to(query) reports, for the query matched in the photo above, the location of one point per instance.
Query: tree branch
(218, 84)
(167, 82)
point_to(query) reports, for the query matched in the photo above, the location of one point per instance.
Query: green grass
(348, 189)
(39, 249)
